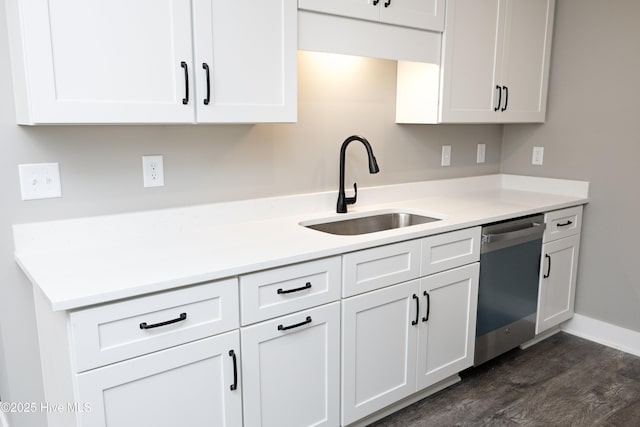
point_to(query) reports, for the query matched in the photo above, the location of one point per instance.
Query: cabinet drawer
(375, 268)
(118, 331)
(450, 250)
(562, 223)
(279, 291)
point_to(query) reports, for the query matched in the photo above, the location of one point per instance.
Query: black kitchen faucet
(343, 201)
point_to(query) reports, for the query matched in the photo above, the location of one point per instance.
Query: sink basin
(370, 223)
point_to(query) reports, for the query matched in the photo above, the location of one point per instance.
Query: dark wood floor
(562, 381)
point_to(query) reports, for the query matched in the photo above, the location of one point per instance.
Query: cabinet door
(250, 48)
(447, 324)
(424, 14)
(557, 282)
(378, 349)
(526, 49)
(470, 53)
(187, 385)
(96, 61)
(292, 368)
(360, 9)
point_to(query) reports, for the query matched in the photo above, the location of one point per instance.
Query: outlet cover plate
(537, 156)
(40, 181)
(446, 155)
(153, 171)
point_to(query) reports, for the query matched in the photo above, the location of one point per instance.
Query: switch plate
(40, 181)
(152, 171)
(482, 149)
(446, 155)
(537, 156)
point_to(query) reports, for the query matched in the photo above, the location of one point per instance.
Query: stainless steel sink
(371, 223)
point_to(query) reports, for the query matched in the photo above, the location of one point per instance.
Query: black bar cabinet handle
(506, 98)
(497, 107)
(205, 66)
(426, 318)
(375, 2)
(569, 222)
(548, 267)
(415, 297)
(183, 316)
(185, 100)
(284, 328)
(387, 3)
(234, 386)
(288, 291)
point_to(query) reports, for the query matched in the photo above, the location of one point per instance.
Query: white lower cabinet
(194, 384)
(291, 369)
(404, 338)
(557, 290)
(446, 338)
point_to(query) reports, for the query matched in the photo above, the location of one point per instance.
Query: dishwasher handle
(533, 229)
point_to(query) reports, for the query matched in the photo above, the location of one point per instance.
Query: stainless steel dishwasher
(508, 287)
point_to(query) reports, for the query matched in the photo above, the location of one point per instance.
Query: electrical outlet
(537, 156)
(39, 181)
(446, 155)
(152, 171)
(482, 149)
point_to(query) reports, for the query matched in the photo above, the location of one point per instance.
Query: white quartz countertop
(86, 261)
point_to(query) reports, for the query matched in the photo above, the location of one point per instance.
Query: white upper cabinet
(496, 60)
(141, 61)
(250, 47)
(494, 69)
(422, 14)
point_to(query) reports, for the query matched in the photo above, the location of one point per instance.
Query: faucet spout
(343, 200)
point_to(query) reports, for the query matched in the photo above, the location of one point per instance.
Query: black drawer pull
(375, 2)
(185, 100)
(285, 328)
(205, 66)
(548, 267)
(506, 98)
(415, 322)
(235, 370)
(387, 3)
(564, 224)
(183, 316)
(288, 291)
(426, 318)
(497, 107)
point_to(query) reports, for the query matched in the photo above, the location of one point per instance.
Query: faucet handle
(352, 200)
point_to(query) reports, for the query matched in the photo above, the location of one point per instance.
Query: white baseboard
(604, 333)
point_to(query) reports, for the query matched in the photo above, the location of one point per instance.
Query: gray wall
(101, 171)
(593, 133)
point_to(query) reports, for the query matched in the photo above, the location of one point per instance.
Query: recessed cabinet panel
(558, 270)
(447, 334)
(94, 61)
(249, 48)
(422, 14)
(113, 332)
(470, 44)
(382, 266)
(188, 385)
(278, 291)
(378, 349)
(291, 376)
(562, 223)
(525, 58)
(450, 250)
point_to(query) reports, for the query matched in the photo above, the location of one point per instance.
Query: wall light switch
(40, 181)
(482, 149)
(446, 155)
(537, 156)
(152, 171)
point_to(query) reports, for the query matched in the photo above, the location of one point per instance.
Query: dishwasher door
(508, 287)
